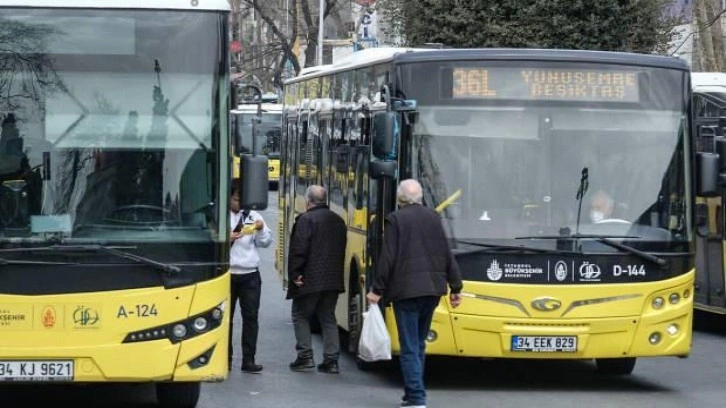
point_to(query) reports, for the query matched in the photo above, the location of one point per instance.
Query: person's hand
(298, 281)
(235, 235)
(373, 298)
(455, 299)
(259, 225)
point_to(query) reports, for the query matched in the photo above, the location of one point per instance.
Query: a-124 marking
(140, 310)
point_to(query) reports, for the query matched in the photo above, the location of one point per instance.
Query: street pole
(320, 32)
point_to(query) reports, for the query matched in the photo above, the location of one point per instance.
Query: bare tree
(26, 70)
(282, 33)
(709, 41)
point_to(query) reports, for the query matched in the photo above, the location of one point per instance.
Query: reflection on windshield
(109, 137)
(524, 181)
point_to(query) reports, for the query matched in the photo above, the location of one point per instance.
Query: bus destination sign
(548, 84)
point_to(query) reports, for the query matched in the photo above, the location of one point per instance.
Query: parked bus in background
(114, 192)
(517, 149)
(709, 117)
(264, 120)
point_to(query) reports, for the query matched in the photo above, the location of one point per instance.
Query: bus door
(709, 285)
(382, 191)
(287, 154)
(339, 163)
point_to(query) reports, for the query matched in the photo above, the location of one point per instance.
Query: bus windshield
(523, 143)
(269, 131)
(107, 130)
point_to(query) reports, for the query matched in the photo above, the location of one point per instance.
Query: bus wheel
(178, 395)
(615, 366)
(354, 321)
(364, 365)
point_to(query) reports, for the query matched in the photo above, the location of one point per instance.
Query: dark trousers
(247, 289)
(322, 305)
(413, 320)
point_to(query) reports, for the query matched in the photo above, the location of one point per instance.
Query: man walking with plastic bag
(413, 270)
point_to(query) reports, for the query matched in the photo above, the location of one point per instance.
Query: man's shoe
(406, 404)
(330, 367)
(302, 364)
(251, 368)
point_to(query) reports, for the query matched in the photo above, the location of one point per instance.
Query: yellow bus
(709, 117)
(114, 189)
(265, 121)
(512, 146)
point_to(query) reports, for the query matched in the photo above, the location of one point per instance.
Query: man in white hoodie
(249, 233)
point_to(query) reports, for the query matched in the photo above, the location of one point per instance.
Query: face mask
(597, 216)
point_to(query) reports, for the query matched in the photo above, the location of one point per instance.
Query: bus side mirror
(707, 174)
(253, 182)
(720, 147)
(378, 169)
(385, 135)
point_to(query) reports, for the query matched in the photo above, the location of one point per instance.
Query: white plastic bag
(375, 342)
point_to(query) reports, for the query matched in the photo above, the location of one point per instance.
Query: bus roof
(122, 4)
(708, 81)
(372, 56)
(252, 108)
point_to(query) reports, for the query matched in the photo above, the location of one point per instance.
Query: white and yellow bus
(709, 117)
(114, 189)
(511, 145)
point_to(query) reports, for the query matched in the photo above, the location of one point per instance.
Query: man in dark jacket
(414, 267)
(315, 278)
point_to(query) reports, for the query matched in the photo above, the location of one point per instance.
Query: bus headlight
(179, 331)
(200, 324)
(672, 329)
(674, 298)
(654, 338)
(658, 303)
(182, 329)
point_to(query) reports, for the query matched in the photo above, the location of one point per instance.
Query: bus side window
(302, 166)
(365, 130)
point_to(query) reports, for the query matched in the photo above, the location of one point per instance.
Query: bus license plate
(55, 370)
(545, 344)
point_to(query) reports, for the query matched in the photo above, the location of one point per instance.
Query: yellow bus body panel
(273, 170)
(608, 329)
(52, 329)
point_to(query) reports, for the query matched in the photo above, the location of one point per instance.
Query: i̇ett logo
(589, 271)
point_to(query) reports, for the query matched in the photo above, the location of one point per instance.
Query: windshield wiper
(170, 269)
(607, 240)
(4, 261)
(514, 247)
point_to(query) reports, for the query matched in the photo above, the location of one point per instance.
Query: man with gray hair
(413, 270)
(315, 278)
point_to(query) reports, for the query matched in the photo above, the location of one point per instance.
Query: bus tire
(355, 312)
(615, 366)
(178, 394)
